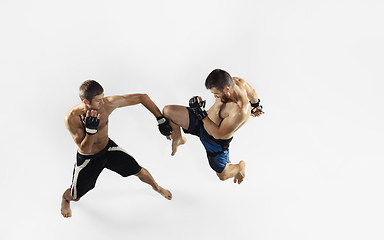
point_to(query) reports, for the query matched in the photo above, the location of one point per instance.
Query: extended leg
(65, 203)
(179, 117)
(237, 171)
(146, 177)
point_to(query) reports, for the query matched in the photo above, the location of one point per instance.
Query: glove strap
(255, 105)
(90, 131)
(161, 120)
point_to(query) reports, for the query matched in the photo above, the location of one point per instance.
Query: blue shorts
(217, 149)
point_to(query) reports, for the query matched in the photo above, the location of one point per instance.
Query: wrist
(161, 119)
(90, 131)
(254, 102)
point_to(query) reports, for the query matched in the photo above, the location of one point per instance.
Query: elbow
(85, 147)
(212, 129)
(85, 150)
(217, 135)
(143, 96)
(253, 95)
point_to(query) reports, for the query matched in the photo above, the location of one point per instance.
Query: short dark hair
(218, 79)
(89, 89)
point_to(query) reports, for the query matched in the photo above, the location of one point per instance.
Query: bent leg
(146, 177)
(179, 117)
(237, 171)
(65, 203)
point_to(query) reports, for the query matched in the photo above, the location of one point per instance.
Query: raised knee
(166, 110)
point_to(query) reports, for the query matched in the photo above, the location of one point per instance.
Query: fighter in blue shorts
(217, 149)
(235, 102)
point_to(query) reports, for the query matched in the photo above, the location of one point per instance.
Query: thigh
(219, 162)
(121, 162)
(85, 173)
(177, 114)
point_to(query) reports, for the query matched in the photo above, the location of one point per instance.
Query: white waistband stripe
(117, 149)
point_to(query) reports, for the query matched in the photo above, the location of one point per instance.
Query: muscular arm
(226, 128)
(134, 99)
(251, 93)
(83, 141)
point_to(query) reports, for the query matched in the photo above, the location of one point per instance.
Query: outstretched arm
(146, 101)
(134, 99)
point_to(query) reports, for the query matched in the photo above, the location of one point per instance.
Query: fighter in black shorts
(89, 167)
(88, 125)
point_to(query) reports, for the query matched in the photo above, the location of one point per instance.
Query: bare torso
(74, 117)
(101, 107)
(220, 111)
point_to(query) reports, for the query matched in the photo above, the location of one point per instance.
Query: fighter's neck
(236, 94)
(84, 107)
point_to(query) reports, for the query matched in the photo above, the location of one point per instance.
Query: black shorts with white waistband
(88, 167)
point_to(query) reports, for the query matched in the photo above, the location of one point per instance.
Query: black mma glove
(256, 105)
(91, 124)
(164, 126)
(198, 108)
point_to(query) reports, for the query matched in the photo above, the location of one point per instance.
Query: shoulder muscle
(74, 125)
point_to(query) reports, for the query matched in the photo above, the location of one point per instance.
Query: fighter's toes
(165, 193)
(239, 178)
(66, 214)
(169, 195)
(176, 144)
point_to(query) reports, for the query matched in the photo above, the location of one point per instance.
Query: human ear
(86, 102)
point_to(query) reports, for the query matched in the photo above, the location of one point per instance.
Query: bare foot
(239, 178)
(165, 193)
(65, 208)
(176, 144)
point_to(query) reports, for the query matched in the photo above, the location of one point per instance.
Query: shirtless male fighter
(236, 100)
(87, 123)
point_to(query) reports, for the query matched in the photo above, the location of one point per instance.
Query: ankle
(67, 196)
(156, 188)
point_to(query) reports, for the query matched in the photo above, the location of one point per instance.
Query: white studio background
(314, 161)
